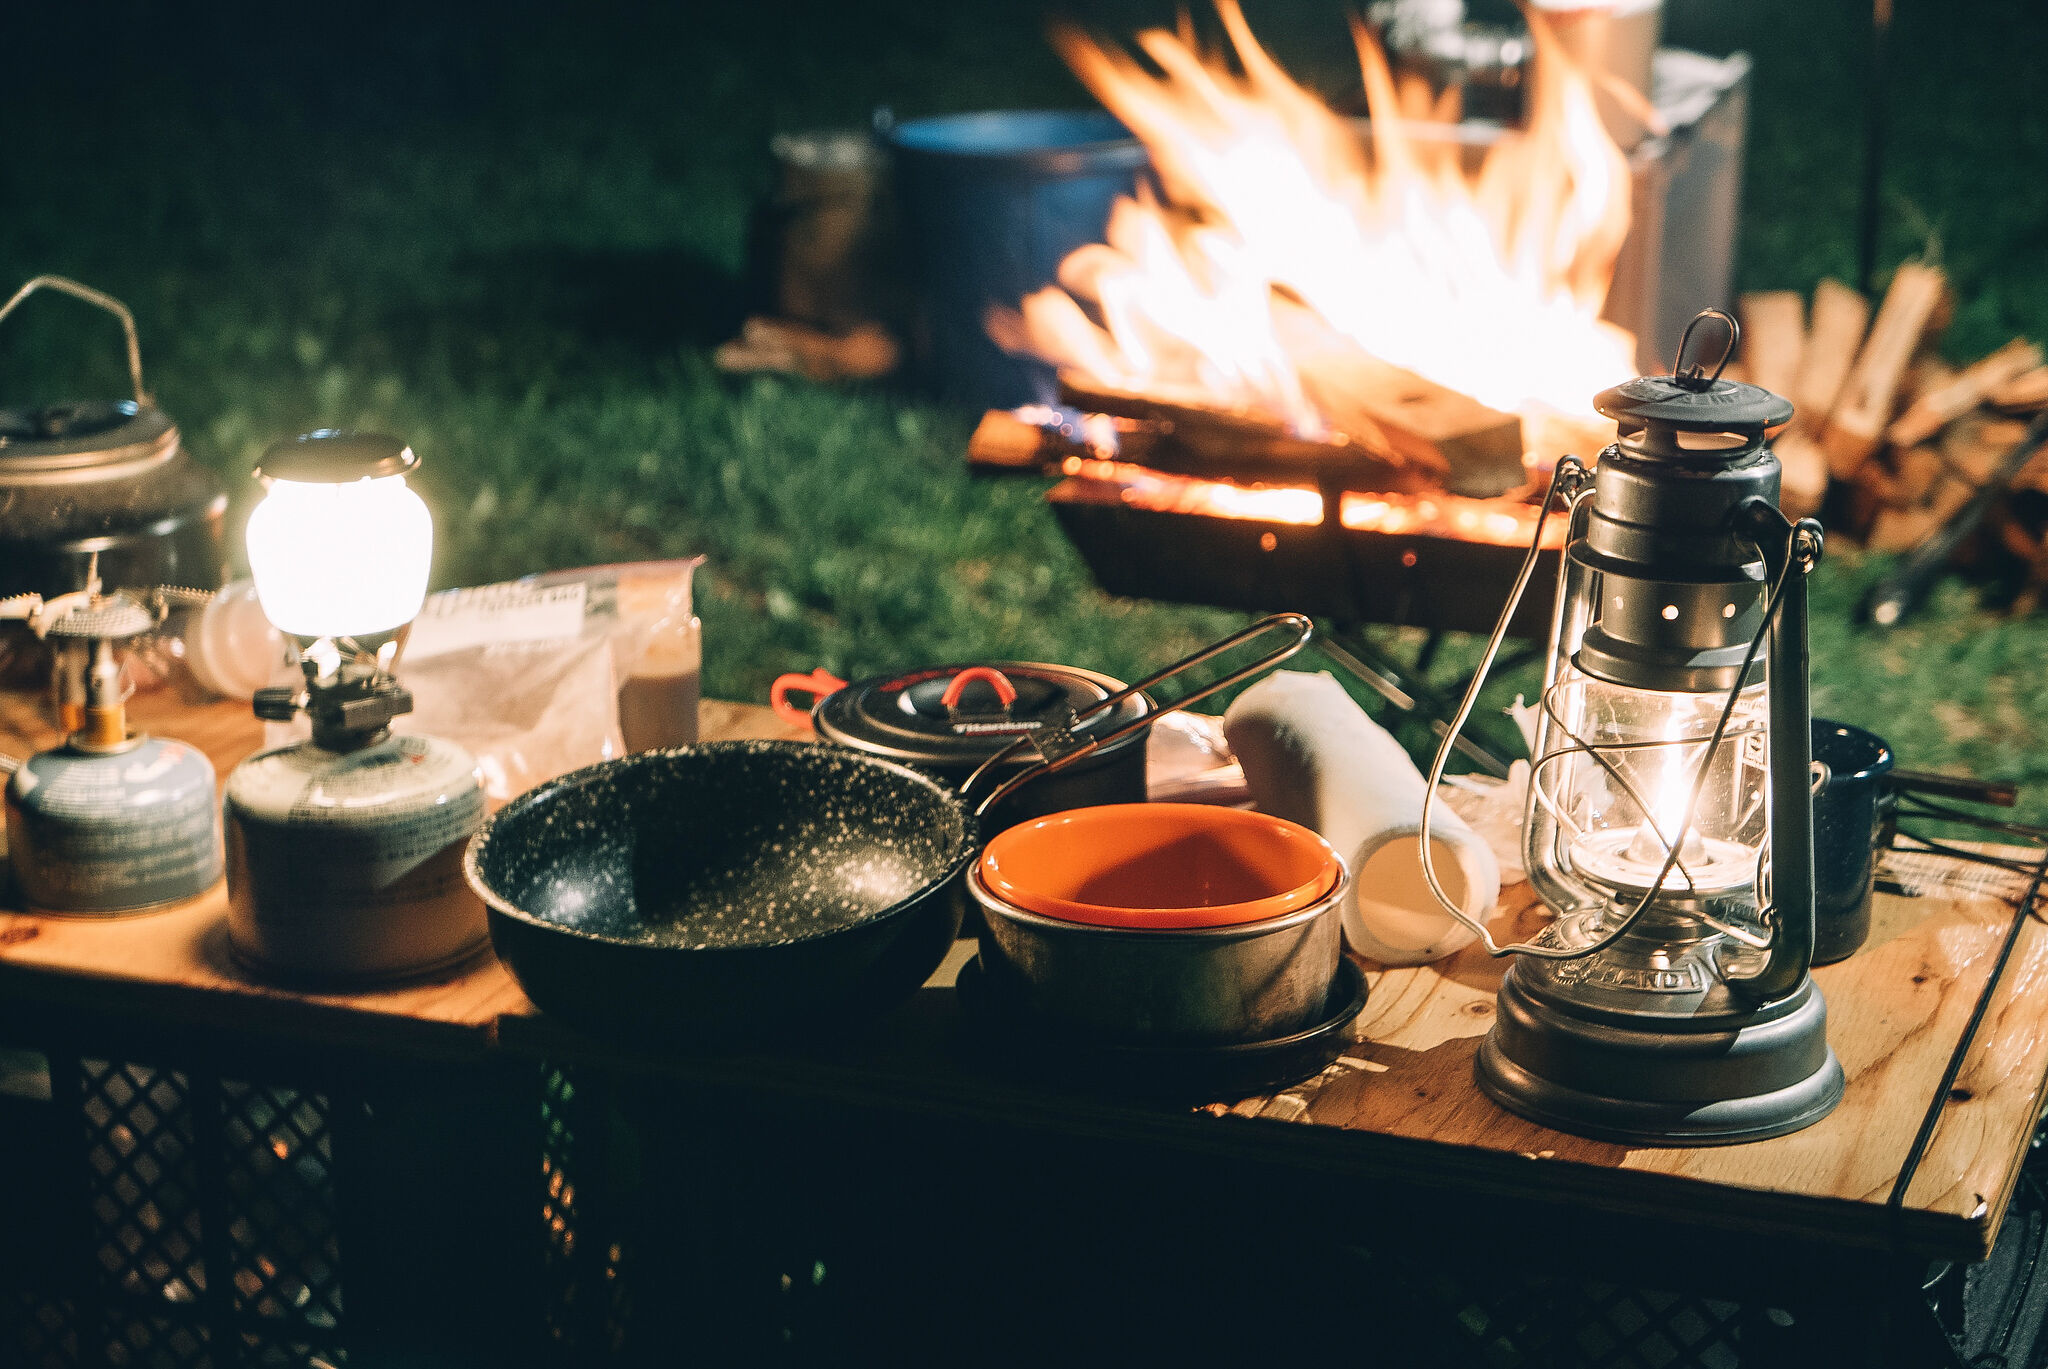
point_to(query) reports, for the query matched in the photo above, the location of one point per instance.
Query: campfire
(1324, 362)
(1305, 293)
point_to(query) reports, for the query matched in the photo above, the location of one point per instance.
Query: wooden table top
(1896, 1013)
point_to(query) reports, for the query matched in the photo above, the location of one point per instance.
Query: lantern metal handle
(1789, 556)
(68, 286)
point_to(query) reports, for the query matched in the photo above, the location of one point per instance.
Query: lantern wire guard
(1669, 1000)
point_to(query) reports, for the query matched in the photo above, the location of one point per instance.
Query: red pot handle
(818, 684)
(1006, 693)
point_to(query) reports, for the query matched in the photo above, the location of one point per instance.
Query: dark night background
(513, 233)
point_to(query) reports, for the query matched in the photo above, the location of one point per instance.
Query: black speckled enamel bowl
(725, 889)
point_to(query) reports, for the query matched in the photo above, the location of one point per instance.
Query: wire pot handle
(1062, 748)
(68, 286)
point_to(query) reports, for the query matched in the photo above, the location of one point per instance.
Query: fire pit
(1429, 561)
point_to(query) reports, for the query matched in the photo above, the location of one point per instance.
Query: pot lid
(962, 714)
(1690, 399)
(83, 434)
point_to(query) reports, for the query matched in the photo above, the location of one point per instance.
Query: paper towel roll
(1311, 755)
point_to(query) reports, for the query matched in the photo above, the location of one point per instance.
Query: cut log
(1974, 446)
(1928, 372)
(1939, 407)
(2023, 394)
(1947, 498)
(1471, 448)
(1900, 529)
(1916, 471)
(1864, 407)
(1840, 316)
(1773, 338)
(1804, 478)
(1879, 487)
(776, 344)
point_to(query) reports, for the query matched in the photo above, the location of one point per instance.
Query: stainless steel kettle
(103, 476)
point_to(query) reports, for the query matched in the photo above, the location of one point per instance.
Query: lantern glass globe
(349, 559)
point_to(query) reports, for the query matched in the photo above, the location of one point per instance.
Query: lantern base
(1716, 1079)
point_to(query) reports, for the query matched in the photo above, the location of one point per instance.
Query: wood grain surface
(1896, 1012)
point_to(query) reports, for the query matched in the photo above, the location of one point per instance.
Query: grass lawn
(513, 234)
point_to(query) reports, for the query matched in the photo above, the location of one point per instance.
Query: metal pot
(949, 720)
(107, 477)
(1188, 986)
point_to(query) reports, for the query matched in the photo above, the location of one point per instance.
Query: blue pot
(991, 203)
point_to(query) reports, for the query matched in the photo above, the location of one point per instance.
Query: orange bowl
(1160, 865)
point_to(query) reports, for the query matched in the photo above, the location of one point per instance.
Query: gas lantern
(344, 851)
(1669, 826)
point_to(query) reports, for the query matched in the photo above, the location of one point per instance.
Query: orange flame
(1282, 229)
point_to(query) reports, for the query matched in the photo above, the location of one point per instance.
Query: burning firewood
(1007, 441)
(1864, 407)
(1471, 448)
(1195, 439)
(1398, 431)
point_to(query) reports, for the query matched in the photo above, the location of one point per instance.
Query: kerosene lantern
(1669, 827)
(113, 820)
(344, 851)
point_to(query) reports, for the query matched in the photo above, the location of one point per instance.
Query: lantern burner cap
(1708, 865)
(329, 456)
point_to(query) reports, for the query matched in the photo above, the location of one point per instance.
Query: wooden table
(1397, 1116)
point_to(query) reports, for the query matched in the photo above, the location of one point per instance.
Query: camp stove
(111, 821)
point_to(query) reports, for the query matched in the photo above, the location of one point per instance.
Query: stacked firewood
(1894, 441)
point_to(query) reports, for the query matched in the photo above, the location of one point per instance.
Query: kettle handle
(91, 296)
